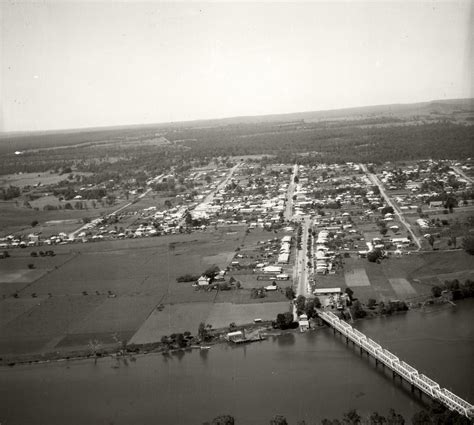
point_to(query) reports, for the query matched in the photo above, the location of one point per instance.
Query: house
(203, 281)
(272, 269)
(436, 204)
(283, 258)
(327, 291)
(236, 336)
(303, 323)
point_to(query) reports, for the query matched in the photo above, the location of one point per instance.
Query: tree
(387, 210)
(371, 303)
(351, 417)
(394, 418)
(211, 271)
(289, 292)
(284, 320)
(94, 348)
(300, 304)
(34, 223)
(188, 219)
(357, 311)
(431, 240)
(223, 420)
(309, 308)
(468, 244)
(180, 340)
(349, 293)
(278, 420)
(376, 419)
(203, 332)
(374, 255)
(436, 291)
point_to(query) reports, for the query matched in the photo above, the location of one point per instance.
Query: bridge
(398, 367)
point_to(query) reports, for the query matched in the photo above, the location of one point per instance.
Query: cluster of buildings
(427, 184)
(253, 196)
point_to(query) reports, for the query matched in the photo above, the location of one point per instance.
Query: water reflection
(286, 339)
(204, 355)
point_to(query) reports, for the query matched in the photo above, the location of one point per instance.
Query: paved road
(389, 202)
(291, 191)
(462, 174)
(77, 231)
(210, 196)
(303, 285)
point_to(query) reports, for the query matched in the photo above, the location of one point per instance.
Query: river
(301, 376)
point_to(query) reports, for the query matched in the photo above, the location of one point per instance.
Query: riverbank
(216, 336)
(247, 382)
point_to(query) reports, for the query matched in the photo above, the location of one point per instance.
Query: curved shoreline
(119, 351)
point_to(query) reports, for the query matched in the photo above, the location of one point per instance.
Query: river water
(301, 376)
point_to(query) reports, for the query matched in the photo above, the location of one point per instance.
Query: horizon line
(14, 133)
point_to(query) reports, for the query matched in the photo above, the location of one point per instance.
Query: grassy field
(33, 179)
(404, 278)
(186, 317)
(109, 290)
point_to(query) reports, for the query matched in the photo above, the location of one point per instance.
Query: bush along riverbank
(177, 342)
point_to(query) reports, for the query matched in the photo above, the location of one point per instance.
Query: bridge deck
(404, 370)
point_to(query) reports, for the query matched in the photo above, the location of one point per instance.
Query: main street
(290, 193)
(374, 179)
(302, 287)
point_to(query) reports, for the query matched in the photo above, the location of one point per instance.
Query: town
(280, 232)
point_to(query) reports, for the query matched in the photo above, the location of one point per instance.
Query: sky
(76, 64)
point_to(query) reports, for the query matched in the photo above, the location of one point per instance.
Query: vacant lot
(402, 288)
(186, 317)
(173, 318)
(356, 277)
(222, 314)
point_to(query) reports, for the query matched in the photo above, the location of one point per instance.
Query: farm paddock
(116, 291)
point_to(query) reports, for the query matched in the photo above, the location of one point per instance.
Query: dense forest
(333, 144)
(437, 130)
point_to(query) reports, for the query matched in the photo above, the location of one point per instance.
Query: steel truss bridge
(399, 367)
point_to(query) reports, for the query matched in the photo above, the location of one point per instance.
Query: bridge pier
(403, 370)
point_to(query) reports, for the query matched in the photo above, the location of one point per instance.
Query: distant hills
(448, 108)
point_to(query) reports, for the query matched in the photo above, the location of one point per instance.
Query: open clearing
(356, 277)
(186, 317)
(222, 314)
(173, 318)
(21, 276)
(402, 287)
(12, 308)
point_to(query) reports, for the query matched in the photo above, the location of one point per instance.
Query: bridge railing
(409, 373)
